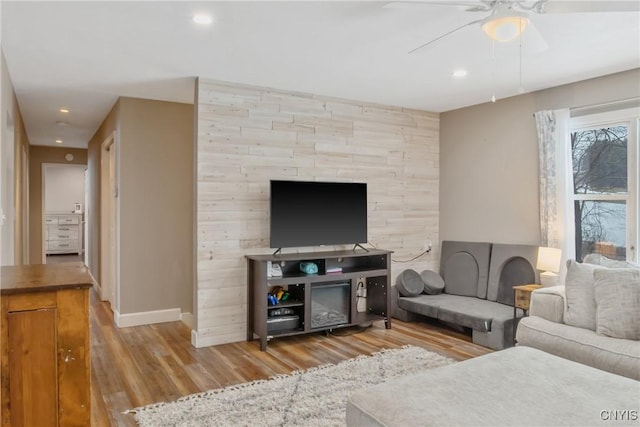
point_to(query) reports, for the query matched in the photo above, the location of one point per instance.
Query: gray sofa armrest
(548, 303)
(397, 312)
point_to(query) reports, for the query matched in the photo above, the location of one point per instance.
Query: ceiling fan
(507, 19)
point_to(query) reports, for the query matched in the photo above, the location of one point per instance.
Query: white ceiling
(83, 55)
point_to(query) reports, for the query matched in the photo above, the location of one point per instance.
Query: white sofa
(545, 329)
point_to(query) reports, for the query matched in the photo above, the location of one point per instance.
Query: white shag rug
(315, 397)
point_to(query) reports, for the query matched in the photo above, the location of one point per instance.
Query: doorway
(109, 222)
(63, 193)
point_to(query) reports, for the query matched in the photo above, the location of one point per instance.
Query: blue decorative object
(309, 267)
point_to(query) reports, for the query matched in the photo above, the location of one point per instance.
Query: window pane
(600, 160)
(601, 229)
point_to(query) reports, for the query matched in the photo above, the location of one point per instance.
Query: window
(604, 156)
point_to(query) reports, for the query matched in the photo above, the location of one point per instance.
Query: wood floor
(136, 366)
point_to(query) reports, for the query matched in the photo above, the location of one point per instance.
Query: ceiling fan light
(505, 28)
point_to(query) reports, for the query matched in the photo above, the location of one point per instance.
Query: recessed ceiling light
(460, 73)
(202, 19)
(64, 110)
(59, 141)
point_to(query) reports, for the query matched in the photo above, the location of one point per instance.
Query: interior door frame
(109, 208)
(44, 194)
(25, 205)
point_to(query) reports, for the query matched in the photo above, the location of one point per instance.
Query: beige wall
(156, 205)
(15, 145)
(250, 135)
(10, 125)
(37, 156)
(489, 160)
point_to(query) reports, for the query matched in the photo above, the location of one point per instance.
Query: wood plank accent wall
(250, 135)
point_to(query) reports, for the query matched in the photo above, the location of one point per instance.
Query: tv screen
(318, 213)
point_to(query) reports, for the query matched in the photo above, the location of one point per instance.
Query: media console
(350, 288)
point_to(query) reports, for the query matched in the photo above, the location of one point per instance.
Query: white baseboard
(146, 317)
(98, 289)
(187, 319)
(194, 338)
(199, 342)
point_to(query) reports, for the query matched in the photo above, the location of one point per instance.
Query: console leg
(263, 343)
(387, 323)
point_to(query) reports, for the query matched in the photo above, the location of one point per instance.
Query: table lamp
(549, 263)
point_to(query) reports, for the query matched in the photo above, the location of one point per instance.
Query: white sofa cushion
(608, 262)
(617, 296)
(619, 356)
(548, 303)
(514, 387)
(580, 299)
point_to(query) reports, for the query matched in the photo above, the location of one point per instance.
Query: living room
(467, 174)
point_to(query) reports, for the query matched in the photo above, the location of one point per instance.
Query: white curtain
(556, 187)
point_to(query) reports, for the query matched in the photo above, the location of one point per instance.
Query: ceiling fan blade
(473, 6)
(532, 40)
(589, 6)
(445, 35)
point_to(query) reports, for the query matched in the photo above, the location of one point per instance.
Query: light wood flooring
(136, 366)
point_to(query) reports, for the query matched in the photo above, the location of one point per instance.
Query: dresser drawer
(63, 235)
(68, 219)
(55, 245)
(51, 219)
(61, 228)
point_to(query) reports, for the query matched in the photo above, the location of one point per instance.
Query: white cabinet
(63, 233)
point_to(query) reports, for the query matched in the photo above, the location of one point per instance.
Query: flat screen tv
(307, 213)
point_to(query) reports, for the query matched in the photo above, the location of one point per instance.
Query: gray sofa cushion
(409, 283)
(615, 355)
(580, 298)
(433, 283)
(422, 304)
(474, 313)
(617, 294)
(464, 266)
(511, 265)
(476, 321)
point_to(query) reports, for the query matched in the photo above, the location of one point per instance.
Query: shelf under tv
(310, 291)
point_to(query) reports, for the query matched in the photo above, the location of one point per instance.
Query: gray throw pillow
(581, 304)
(617, 295)
(409, 283)
(433, 283)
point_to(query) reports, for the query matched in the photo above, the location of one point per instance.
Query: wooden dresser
(44, 345)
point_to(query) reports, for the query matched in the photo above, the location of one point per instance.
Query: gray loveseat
(478, 281)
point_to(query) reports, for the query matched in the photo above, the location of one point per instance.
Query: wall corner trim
(187, 319)
(146, 317)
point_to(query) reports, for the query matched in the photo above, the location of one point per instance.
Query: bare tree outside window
(599, 158)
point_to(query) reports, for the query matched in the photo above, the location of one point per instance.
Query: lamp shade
(549, 259)
(505, 27)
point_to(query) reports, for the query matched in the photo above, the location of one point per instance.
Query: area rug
(315, 397)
